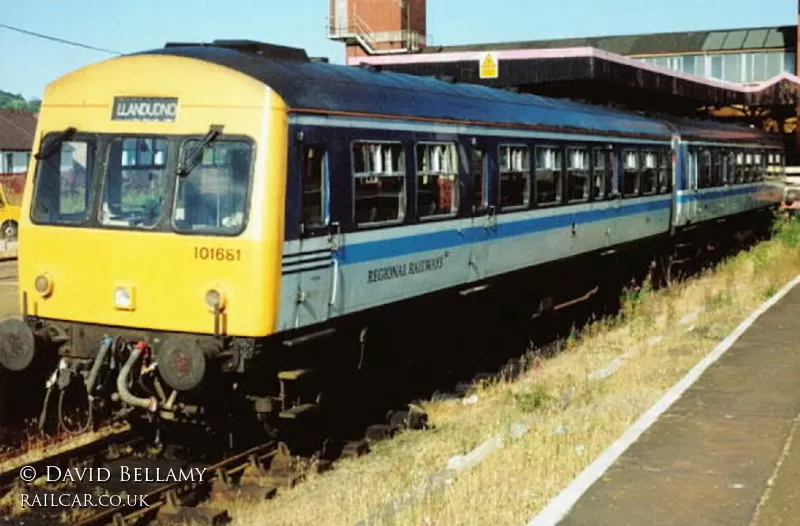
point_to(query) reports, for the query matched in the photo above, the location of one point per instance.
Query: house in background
(17, 128)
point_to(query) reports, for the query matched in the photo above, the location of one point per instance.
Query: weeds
(573, 419)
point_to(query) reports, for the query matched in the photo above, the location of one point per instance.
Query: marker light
(214, 298)
(122, 298)
(43, 285)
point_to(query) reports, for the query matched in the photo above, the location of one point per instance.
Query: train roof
(320, 87)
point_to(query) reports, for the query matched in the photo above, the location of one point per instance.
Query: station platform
(727, 452)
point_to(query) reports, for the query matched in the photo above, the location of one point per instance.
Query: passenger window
(749, 168)
(314, 177)
(739, 169)
(64, 183)
(704, 169)
(758, 161)
(212, 197)
(437, 180)
(379, 173)
(548, 175)
(716, 171)
(515, 177)
(649, 185)
(665, 172)
(479, 184)
(602, 171)
(630, 174)
(578, 175)
(135, 183)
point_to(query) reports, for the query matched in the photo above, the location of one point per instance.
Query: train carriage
(193, 205)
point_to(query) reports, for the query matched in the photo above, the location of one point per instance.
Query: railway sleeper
(173, 511)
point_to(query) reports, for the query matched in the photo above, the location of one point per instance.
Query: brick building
(745, 75)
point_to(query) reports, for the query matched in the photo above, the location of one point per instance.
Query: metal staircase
(356, 31)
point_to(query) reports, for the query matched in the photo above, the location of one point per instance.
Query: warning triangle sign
(489, 66)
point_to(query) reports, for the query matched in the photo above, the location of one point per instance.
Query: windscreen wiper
(55, 143)
(193, 157)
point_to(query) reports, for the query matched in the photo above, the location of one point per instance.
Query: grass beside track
(572, 418)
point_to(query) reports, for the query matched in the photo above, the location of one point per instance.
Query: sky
(28, 64)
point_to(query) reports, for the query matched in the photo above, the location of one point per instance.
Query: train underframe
(185, 382)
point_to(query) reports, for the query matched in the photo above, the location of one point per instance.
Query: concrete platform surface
(726, 453)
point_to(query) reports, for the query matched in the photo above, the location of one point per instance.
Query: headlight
(122, 298)
(43, 285)
(214, 299)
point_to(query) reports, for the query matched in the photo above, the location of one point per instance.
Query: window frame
(560, 190)
(529, 188)
(478, 210)
(637, 151)
(183, 143)
(589, 170)
(94, 143)
(170, 186)
(456, 183)
(325, 194)
(642, 168)
(404, 209)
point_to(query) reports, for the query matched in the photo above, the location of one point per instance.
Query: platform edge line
(561, 504)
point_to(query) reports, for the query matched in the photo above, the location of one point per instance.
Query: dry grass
(572, 418)
(37, 448)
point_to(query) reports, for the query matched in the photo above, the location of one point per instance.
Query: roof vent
(371, 67)
(323, 60)
(273, 51)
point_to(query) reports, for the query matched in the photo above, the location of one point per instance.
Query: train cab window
(603, 171)
(437, 180)
(630, 174)
(63, 186)
(135, 182)
(314, 177)
(549, 181)
(664, 172)
(649, 174)
(515, 177)
(703, 169)
(212, 197)
(478, 167)
(716, 168)
(379, 183)
(577, 175)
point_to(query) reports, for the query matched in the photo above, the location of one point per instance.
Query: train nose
(17, 345)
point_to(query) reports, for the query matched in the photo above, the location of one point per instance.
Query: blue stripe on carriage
(450, 238)
(716, 194)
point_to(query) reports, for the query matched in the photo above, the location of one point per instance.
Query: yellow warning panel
(489, 65)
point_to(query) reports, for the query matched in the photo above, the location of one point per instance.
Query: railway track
(255, 473)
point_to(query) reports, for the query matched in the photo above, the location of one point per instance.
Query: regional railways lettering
(405, 269)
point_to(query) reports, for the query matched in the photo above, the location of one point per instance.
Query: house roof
(17, 129)
(757, 38)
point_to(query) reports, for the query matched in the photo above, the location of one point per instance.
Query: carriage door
(320, 238)
(484, 221)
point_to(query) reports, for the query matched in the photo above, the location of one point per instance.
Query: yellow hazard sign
(489, 65)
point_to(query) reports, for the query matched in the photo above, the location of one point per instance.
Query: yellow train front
(151, 230)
